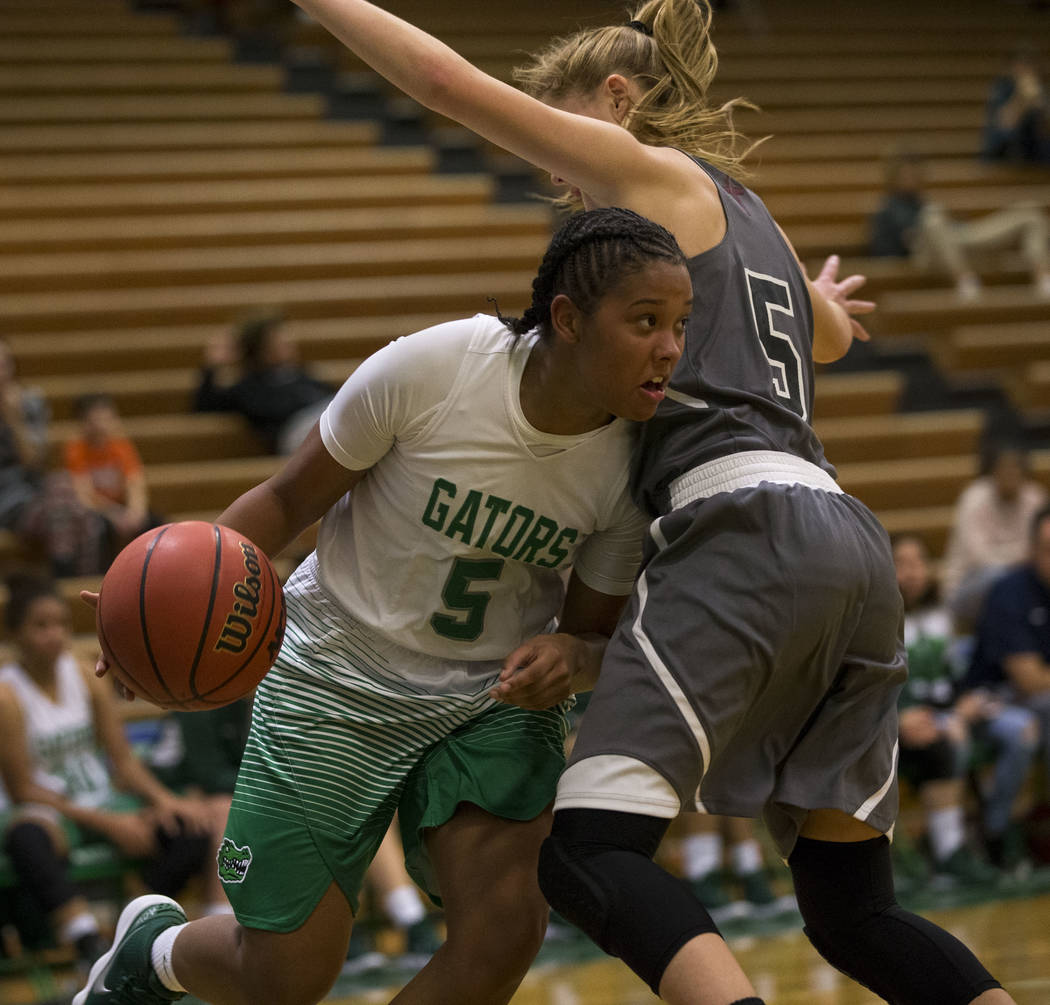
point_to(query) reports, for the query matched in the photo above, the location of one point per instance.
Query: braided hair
(588, 256)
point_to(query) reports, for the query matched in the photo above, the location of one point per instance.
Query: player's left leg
(596, 869)
(485, 868)
(844, 884)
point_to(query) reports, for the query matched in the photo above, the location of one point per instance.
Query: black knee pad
(41, 870)
(846, 898)
(596, 869)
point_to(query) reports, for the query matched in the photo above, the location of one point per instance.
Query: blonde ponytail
(674, 66)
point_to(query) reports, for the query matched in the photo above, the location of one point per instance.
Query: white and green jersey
(60, 733)
(457, 541)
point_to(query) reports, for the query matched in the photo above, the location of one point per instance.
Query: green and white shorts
(348, 728)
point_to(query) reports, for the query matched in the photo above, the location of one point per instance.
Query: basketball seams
(216, 571)
(142, 612)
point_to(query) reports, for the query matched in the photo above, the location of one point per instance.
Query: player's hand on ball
(102, 664)
(539, 673)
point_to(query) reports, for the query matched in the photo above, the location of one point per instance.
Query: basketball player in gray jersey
(745, 380)
(757, 666)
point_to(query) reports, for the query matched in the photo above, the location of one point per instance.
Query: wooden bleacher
(239, 229)
(181, 347)
(1037, 384)
(211, 165)
(145, 204)
(1000, 345)
(305, 298)
(206, 266)
(934, 311)
(36, 202)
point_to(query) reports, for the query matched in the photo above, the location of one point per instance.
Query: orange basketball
(190, 615)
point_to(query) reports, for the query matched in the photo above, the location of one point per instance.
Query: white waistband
(746, 470)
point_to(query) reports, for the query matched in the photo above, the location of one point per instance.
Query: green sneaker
(124, 975)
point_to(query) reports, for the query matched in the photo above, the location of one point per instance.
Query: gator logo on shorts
(233, 861)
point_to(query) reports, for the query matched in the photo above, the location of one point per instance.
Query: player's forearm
(413, 61)
(262, 516)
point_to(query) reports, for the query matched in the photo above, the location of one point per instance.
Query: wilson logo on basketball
(240, 622)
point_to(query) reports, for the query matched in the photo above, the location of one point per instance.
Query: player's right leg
(155, 953)
(495, 915)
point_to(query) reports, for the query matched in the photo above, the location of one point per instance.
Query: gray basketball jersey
(745, 380)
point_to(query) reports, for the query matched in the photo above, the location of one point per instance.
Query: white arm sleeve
(608, 560)
(392, 391)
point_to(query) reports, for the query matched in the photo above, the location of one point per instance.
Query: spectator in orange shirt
(107, 471)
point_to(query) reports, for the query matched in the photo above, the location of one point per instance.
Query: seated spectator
(990, 529)
(934, 739)
(200, 752)
(1016, 115)
(908, 224)
(63, 758)
(1011, 657)
(107, 472)
(277, 396)
(939, 722)
(38, 505)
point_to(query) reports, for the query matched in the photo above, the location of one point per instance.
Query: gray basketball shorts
(755, 670)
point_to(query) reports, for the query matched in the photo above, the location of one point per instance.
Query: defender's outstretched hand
(840, 291)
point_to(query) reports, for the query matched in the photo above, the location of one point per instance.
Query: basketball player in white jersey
(486, 459)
